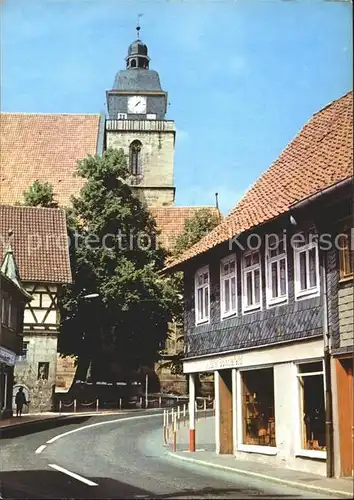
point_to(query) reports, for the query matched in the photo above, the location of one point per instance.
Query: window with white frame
(251, 281)
(276, 270)
(312, 406)
(202, 293)
(306, 263)
(228, 294)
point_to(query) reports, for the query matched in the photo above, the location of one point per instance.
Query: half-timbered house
(266, 304)
(41, 246)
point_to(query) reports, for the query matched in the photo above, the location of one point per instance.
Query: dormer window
(135, 158)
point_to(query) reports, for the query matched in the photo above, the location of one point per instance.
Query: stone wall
(42, 353)
(157, 156)
(65, 373)
(346, 312)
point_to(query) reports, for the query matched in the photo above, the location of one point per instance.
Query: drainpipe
(327, 369)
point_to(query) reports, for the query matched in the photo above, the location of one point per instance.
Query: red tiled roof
(44, 147)
(170, 221)
(39, 242)
(320, 155)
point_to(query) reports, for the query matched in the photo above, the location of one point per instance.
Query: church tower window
(135, 158)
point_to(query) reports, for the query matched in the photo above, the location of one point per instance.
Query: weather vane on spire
(138, 25)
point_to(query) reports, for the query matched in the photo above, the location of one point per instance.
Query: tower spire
(138, 27)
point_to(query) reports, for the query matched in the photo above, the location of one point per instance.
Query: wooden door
(345, 414)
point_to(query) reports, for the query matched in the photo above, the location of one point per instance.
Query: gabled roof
(44, 147)
(39, 241)
(320, 156)
(170, 221)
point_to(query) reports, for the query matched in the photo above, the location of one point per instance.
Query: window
(5, 305)
(24, 352)
(13, 315)
(122, 116)
(202, 305)
(135, 158)
(307, 281)
(151, 116)
(346, 255)
(276, 271)
(251, 281)
(43, 371)
(312, 406)
(258, 422)
(228, 286)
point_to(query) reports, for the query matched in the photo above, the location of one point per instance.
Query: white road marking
(115, 421)
(41, 448)
(72, 474)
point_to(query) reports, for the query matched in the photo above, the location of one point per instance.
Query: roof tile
(45, 148)
(39, 242)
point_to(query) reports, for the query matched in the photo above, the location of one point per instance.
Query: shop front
(270, 404)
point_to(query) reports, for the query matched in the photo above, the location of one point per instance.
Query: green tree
(40, 194)
(114, 253)
(201, 223)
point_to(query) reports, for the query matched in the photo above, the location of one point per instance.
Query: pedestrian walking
(20, 400)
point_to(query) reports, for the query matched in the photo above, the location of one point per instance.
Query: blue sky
(243, 76)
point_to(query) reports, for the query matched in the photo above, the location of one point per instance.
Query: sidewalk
(205, 455)
(37, 418)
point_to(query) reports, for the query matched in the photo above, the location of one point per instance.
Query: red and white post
(164, 427)
(192, 412)
(167, 426)
(174, 430)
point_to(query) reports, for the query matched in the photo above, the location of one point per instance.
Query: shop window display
(258, 407)
(311, 385)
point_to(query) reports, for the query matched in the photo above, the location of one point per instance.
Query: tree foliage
(114, 253)
(40, 194)
(197, 226)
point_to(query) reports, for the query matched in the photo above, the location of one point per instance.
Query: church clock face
(137, 104)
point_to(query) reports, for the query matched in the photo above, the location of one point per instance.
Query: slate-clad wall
(291, 321)
(346, 313)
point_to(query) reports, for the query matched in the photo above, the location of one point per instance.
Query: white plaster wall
(41, 348)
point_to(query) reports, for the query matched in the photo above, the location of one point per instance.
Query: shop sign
(209, 365)
(7, 357)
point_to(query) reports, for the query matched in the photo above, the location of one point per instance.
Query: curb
(262, 476)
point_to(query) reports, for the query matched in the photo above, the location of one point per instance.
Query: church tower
(136, 122)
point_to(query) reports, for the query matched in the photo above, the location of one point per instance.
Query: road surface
(120, 458)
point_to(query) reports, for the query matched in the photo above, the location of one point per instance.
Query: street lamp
(90, 296)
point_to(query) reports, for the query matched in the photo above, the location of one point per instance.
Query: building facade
(266, 307)
(13, 298)
(41, 246)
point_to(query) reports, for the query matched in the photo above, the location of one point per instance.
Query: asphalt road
(116, 460)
